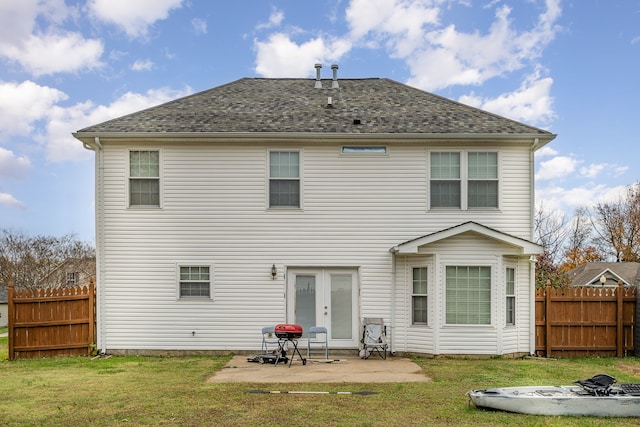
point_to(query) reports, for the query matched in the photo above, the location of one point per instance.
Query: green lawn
(154, 391)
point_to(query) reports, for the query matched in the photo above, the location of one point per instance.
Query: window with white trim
(73, 278)
(195, 281)
(144, 178)
(419, 297)
(463, 180)
(510, 279)
(468, 295)
(284, 179)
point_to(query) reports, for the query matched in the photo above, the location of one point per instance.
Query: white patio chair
(318, 335)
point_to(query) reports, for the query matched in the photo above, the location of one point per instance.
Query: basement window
(378, 149)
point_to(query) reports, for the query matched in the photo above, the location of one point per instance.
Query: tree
(25, 260)
(617, 226)
(550, 230)
(547, 270)
(578, 250)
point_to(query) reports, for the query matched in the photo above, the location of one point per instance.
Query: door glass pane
(305, 307)
(341, 305)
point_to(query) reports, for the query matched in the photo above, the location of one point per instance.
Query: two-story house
(316, 202)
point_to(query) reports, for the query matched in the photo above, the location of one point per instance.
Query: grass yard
(154, 391)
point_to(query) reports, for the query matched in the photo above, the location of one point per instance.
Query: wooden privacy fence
(585, 321)
(51, 322)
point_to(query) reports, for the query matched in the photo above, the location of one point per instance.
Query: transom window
(419, 296)
(195, 282)
(464, 180)
(511, 296)
(144, 178)
(468, 295)
(284, 179)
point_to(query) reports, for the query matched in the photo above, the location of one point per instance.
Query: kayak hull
(556, 400)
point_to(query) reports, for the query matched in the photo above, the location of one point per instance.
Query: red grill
(288, 331)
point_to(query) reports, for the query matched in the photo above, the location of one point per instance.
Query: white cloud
(567, 199)
(7, 199)
(275, 19)
(142, 65)
(30, 36)
(12, 166)
(61, 146)
(530, 103)
(557, 167)
(446, 56)
(594, 170)
(133, 17)
(199, 26)
(280, 56)
(546, 151)
(22, 104)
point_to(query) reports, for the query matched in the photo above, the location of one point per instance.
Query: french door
(325, 297)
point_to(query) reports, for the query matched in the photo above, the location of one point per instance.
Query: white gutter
(85, 137)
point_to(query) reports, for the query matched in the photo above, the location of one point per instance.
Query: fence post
(11, 312)
(547, 321)
(619, 322)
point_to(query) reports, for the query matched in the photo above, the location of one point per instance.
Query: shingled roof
(589, 274)
(358, 106)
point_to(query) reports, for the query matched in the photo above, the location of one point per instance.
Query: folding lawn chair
(374, 337)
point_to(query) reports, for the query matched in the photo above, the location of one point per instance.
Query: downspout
(393, 299)
(532, 261)
(99, 227)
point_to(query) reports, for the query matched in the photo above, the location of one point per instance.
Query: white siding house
(266, 201)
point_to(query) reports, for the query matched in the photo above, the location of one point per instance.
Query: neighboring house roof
(4, 293)
(526, 247)
(85, 267)
(364, 107)
(589, 274)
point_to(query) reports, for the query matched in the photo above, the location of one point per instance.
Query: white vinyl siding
(213, 199)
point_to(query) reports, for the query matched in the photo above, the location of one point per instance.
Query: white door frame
(323, 308)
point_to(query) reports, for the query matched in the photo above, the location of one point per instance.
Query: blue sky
(571, 67)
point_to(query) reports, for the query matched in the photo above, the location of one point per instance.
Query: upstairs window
(445, 180)
(463, 180)
(144, 178)
(483, 180)
(284, 179)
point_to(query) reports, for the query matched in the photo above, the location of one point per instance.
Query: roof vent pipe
(318, 81)
(334, 83)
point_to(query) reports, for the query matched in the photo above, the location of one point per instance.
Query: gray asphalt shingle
(381, 106)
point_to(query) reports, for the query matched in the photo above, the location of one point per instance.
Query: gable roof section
(589, 274)
(412, 246)
(358, 107)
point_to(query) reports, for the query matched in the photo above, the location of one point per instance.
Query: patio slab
(343, 370)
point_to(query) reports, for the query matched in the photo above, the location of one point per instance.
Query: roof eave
(90, 137)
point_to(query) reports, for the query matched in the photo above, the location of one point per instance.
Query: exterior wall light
(274, 272)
